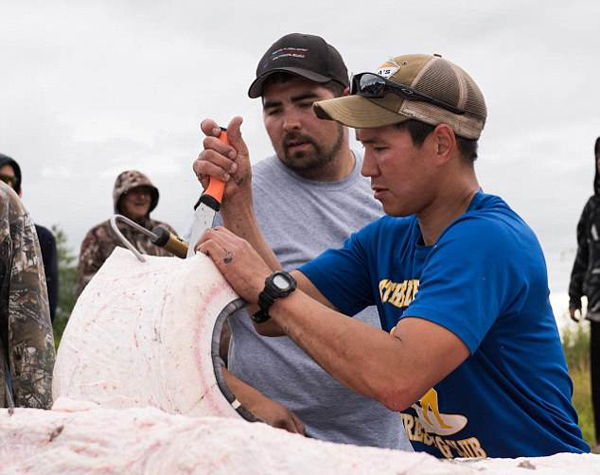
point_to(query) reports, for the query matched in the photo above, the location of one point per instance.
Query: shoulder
(99, 232)
(265, 164)
(591, 206)
(100, 228)
(15, 219)
(12, 205)
(274, 186)
(490, 225)
(266, 167)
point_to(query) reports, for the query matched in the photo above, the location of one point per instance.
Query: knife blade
(207, 206)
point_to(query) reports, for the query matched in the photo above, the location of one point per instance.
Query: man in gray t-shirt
(307, 198)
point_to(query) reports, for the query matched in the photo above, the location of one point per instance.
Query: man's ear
(444, 142)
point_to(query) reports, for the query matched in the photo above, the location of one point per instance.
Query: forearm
(262, 407)
(367, 360)
(33, 365)
(395, 369)
(270, 327)
(241, 220)
(243, 392)
(576, 281)
(581, 262)
(31, 343)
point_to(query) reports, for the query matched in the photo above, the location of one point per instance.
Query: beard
(310, 161)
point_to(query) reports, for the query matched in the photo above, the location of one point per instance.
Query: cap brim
(357, 112)
(257, 86)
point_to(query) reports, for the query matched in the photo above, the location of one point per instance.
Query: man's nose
(291, 121)
(369, 165)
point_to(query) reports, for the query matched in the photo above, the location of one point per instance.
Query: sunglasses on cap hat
(374, 86)
(9, 180)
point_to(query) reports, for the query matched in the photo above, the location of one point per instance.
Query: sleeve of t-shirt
(342, 275)
(471, 277)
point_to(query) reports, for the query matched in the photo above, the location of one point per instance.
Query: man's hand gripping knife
(208, 205)
(230, 163)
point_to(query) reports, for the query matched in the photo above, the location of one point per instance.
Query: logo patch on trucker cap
(388, 69)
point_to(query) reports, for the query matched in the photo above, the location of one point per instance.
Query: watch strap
(265, 300)
(260, 316)
(268, 296)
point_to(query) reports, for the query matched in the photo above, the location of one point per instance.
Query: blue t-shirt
(485, 281)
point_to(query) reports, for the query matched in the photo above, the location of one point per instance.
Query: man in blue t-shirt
(470, 351)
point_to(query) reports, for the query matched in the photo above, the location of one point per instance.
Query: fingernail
(226, 177)
(233, 168)
(216, 131)
(232, 154)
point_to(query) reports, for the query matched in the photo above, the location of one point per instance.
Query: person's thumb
(234, 135)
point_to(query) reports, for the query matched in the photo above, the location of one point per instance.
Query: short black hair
(420, 130)
(336, 88)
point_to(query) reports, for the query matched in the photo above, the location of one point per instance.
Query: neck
(335, 170)
(445, 208)
(339, 168)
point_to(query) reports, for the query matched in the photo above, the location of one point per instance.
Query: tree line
(67, 274)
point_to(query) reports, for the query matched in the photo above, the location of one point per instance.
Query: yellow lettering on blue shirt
(399, 294)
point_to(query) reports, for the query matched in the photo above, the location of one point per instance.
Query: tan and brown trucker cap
(430, 75)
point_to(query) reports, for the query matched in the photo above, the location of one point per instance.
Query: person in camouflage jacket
(26, 341)
(585, 280)
(134, 196)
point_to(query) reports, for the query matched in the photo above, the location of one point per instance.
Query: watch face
(281, 281)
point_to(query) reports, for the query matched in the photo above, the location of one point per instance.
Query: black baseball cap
(308, 56)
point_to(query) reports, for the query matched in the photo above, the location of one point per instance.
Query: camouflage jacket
(26, 343)
(101, 240)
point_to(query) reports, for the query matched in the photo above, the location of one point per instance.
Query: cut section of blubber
(148, 334)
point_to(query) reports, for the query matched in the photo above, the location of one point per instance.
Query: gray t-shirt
(300, 219)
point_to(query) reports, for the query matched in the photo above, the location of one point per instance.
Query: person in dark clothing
(10, 173)
(585, 280)
(49, 256)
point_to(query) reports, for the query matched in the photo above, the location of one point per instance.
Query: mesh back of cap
(447, 82)
(439, 81)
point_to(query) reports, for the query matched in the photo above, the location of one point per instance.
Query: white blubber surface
(140, 335)
(77, 438)
(135, 393)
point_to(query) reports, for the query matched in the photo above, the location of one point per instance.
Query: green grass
(576, 345)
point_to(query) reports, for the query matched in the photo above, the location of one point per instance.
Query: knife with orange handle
(208, 205)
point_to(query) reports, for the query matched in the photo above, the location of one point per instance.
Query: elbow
(396, 395)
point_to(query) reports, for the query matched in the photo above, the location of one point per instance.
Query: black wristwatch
(278, 285)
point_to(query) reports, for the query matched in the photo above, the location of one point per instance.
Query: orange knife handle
(213, 195)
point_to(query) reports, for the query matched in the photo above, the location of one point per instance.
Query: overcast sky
(91, 88)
